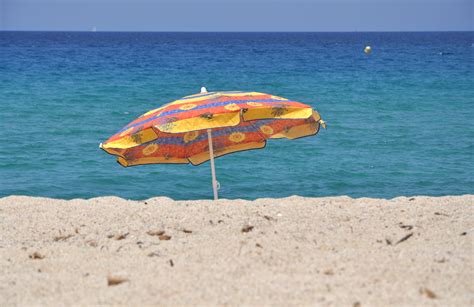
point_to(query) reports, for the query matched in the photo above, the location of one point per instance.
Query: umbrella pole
(213, 170)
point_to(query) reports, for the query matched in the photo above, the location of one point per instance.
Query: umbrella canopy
(180, 132)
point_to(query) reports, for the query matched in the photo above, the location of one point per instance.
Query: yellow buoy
(367, 49)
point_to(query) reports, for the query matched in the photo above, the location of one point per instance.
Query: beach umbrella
(201, 127)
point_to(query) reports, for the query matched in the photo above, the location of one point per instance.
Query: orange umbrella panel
(210, 110)
(192, 146)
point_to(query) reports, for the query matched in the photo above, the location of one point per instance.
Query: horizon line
(191, 31)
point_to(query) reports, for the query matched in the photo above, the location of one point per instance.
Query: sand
(337, 251)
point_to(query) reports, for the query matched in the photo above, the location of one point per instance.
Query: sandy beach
(337, 251)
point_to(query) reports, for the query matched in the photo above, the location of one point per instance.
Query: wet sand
(338, 251)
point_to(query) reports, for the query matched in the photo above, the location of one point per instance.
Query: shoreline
(327, 251)
(162, 198)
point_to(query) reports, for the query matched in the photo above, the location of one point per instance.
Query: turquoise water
(399, 120)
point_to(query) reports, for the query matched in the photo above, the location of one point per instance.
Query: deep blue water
(400, 121)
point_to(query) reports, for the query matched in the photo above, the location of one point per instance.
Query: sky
(237, 15)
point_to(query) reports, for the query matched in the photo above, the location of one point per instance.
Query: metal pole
(213, 170)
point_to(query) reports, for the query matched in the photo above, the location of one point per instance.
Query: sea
(399, 120)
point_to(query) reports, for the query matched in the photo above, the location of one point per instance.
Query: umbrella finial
(203, 89)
